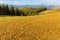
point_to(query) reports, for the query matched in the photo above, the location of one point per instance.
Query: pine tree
(0, 7)
(3, 9)
(7, 10)
(12, 11)
(17, 12)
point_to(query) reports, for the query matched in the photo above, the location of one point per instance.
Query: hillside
(45, 26)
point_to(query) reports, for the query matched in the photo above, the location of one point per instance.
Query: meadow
(45, 26)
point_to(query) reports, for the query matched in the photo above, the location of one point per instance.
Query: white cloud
(13, 3)
(1, 2)
(53, 2)
(16, 3)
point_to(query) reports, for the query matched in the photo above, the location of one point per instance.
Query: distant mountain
(56, 7)
(21, 6)
(33, 6)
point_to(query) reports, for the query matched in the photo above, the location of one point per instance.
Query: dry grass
(43, 27)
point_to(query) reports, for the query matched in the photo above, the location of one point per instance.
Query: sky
(31, 2)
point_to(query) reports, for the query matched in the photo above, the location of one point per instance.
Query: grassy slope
(43, 27)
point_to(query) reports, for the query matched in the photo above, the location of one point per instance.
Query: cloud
(1, 1)
(10, 2)
(16, 3)
(31, 2)
(52, 2)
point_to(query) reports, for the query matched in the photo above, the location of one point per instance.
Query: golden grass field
(45, 26)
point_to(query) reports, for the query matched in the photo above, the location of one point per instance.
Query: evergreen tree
(12, 11)
(17, 12)
(3, 9)
(7, 10)
(0, 7)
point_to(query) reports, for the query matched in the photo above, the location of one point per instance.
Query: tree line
(6, 10)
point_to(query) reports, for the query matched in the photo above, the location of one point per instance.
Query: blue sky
(31, 2)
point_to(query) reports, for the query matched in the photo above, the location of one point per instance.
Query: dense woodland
(6, 10)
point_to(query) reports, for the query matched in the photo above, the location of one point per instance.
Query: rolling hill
(45, 26)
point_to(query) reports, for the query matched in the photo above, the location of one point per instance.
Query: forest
(26, 11)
